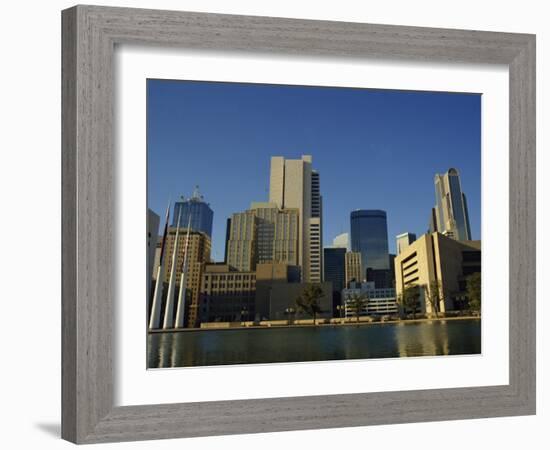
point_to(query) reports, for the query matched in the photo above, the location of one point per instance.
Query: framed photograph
(306, 210)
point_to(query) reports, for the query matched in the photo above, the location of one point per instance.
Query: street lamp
(341, 309)
(289, 312)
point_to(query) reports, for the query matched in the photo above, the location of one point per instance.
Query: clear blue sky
(374, 149)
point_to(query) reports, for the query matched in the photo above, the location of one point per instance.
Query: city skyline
(341, 191)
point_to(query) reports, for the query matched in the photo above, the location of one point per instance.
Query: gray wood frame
(89, 36)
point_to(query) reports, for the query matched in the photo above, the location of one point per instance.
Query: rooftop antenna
(196, 193)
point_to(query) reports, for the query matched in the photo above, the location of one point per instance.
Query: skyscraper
(263, 234)
(369, 236)
(451, 211)
(354, 271)
(294, 184)
(404, 240)
(196, 210)
(335, 272)
(192, 252)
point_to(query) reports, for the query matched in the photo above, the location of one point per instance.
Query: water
(321, 343)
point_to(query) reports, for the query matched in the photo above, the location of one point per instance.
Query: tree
(409, 299)
(473, 291)
(434, 295)
(357, 302)
(308, 300)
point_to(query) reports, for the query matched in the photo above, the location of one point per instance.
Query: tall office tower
(196, 210)
(451, 210)
(294, 184)
(277, 233)
(241, 245)
(341, 241)
(227, 236)
(193, 251)
(369, 236)
(354, 270)
(263, 234)
(335, 272)
(404, 240)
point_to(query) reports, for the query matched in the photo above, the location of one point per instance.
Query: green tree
(409, 299)
(308, 301)
(473, 291)
(357, 301)
(434, 295)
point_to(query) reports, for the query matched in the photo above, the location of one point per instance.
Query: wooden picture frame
(90, 34)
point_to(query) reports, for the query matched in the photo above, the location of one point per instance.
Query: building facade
(369, 237)
(226, 295)
(194, 249)
(376, 301)
(241, 245)
(263, 234)
(354, 267)
(451, 210)
(268, 275)
(403, 241)
(195, 213)
(335, 272)
(294, 184)
(282, 301)
(437, 261)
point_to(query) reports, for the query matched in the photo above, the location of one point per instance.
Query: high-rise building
(354, 269)
(342, 241)
(451, 210)
(369, 236)
(263, 234)
(277, 233)
(435, 260)
(335, 272)
(241, 246)
(404, 240)
(194, 250)
(294, 184)
(194, 212)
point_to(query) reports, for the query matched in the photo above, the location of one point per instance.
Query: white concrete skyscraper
(294, 184)
(451, 211)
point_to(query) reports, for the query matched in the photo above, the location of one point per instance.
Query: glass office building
(335, 267)
(369, 237)
(196, 212)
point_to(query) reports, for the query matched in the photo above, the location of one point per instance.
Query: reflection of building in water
(434, 258)
(376, 301)
(422, 339)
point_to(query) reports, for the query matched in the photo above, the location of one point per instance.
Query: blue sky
(374, 149)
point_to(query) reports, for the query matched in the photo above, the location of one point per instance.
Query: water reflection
(214, 347)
